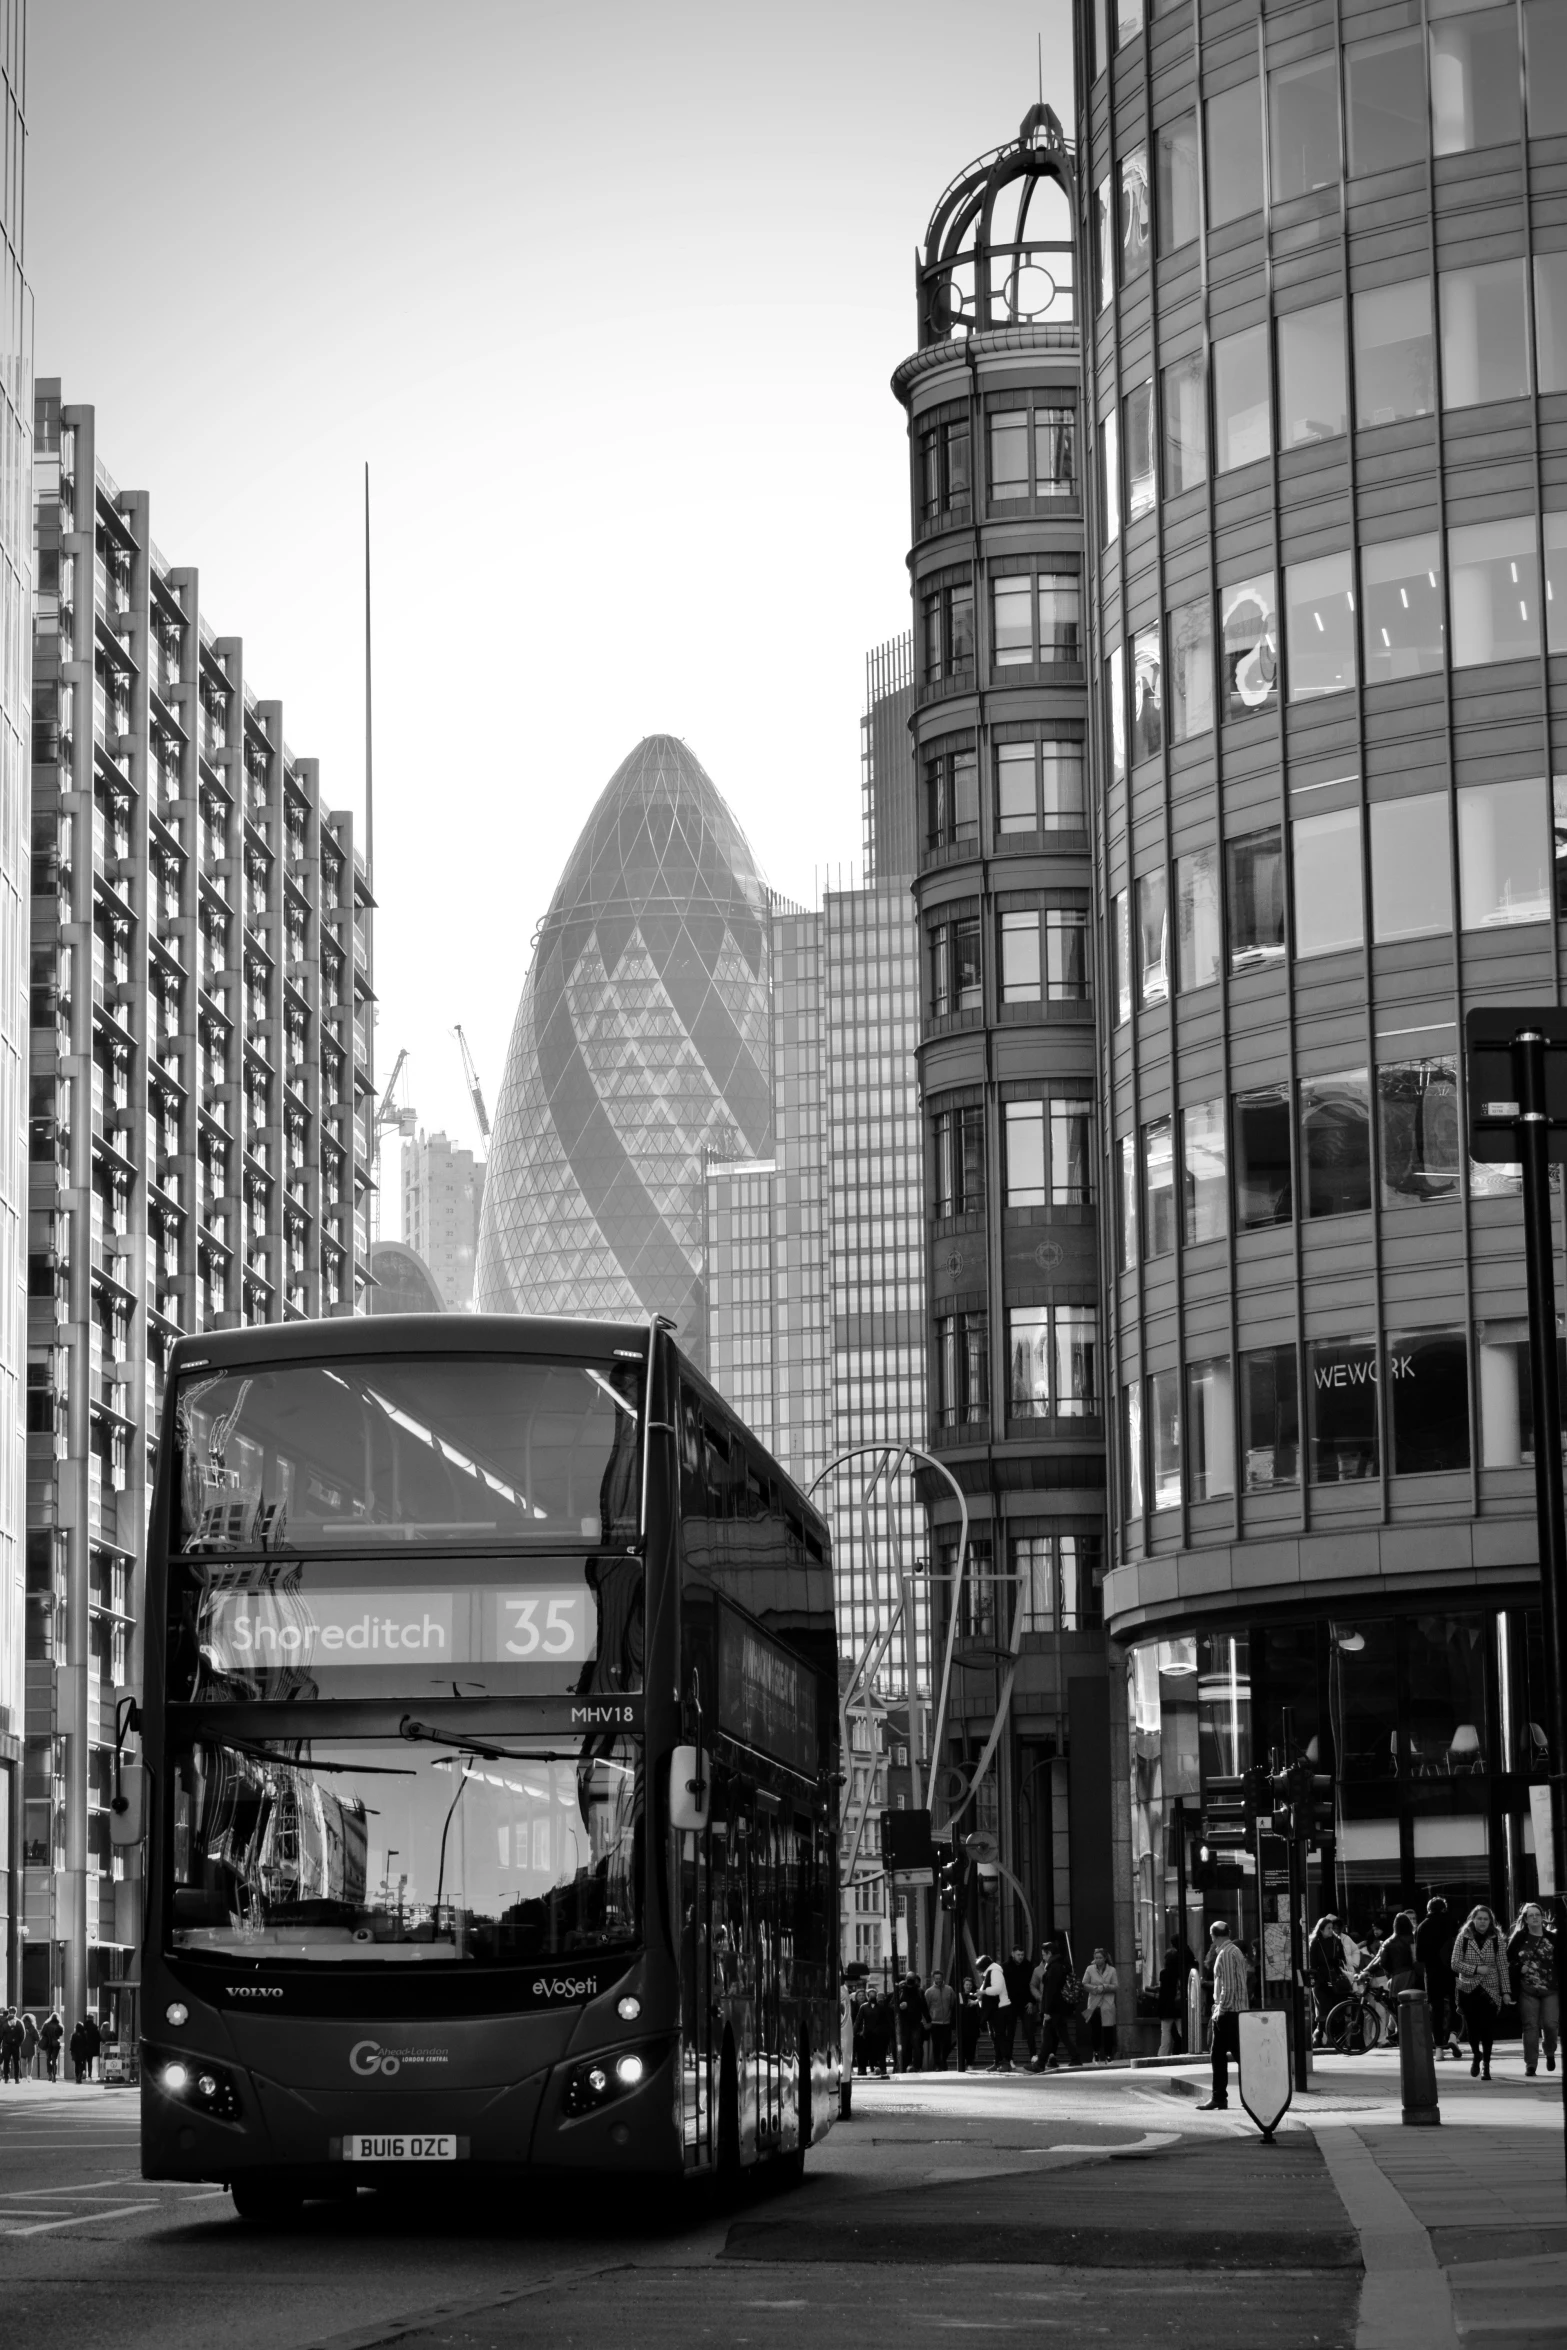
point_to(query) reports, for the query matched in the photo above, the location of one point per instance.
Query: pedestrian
(1017, 1972)
(10, 2046)
(1434, 1958)
(51, 2033)
(995, 2002)
(1394, 1957)
(1175, 1970)
(1480, 1970)
(1054, 1977)
(880, 2031)
(970, 2020)
(913, 2022)
(941, 2005)
(29, 2041)
(79, 2049)
(1100, 1985)
(94, 2045)
(1231, 1997)
(1535, 1950)
(1328, 1962)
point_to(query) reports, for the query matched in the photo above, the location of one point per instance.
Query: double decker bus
(489, 1756)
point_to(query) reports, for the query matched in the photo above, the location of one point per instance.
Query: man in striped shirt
(1230, 1997)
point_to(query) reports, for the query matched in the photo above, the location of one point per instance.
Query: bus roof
(357, 1335)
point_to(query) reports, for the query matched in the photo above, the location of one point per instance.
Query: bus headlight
(176, 2013)
(599, 2083)
(629, 2009)
(205, 2088)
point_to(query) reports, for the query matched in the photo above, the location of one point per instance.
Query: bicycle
(1359, 2023)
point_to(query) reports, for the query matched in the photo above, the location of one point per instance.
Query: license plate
(367, 2146)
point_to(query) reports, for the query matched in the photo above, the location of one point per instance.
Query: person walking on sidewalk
(29, 2041)
(913, 2019)
(941, 2005)
(996, 2003)
(1535, 1950)
(1176, 1970)
(1053, 1977)
(1231, 1998)
(1018, 1975)
(51, 2036)
(1434, 1958)
(1100, 1985)
(11, 2046)
(1480, 1970)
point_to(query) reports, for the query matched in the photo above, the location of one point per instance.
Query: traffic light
(950, 1881)
(1260, 1797)
(1205, 1873)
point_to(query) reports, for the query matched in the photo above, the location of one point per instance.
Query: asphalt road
(1092, 2208)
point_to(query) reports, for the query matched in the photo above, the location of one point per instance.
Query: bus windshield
(382, 1851)
(472, 1450)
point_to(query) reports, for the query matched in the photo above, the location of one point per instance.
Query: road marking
(1405, 2303)
(11, 2225)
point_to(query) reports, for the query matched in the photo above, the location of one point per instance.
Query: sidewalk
(1487, 2191)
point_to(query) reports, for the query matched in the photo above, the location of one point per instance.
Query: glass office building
(640, 1046)
(1326, 366)
(16, 416)
(1003, 898)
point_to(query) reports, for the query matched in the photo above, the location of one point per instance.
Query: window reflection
(1198, 942)
(1250, 630)
(1403, 631)
(1185, 426)
(1335, 1143)
(1153, 939)
(1158, 1188)
(1385, 103)
(1427, 1382)
(1148, 695)
(1319, 609)
(1303, 121)
(1210, 1429)
(1485, 333)
(1270, 1418)
(1503, 862)
(1329, 910)
(1421, 1141)
(1260, 1120)
(1234, 126)
(1495, 573)
(1190, 629)
(1341, 1410)
(1312, 402)
(1255, 899)
(1475, 82)
(1242, 408)
(1135, 223)
(1204, 1182)
(1178, 207)
(1395, 359)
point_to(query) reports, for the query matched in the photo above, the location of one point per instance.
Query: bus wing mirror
(689, 1791)
(128, 1808)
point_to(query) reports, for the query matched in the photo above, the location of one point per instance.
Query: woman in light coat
(1480, 1970)
(1100, 1985)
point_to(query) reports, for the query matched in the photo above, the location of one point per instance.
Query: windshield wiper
(295, 1762)
(418, 1732)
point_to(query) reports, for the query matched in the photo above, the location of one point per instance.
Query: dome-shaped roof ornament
(999, 249)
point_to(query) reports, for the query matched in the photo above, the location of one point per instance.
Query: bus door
(732, 1960)
(698, 1994)
(767, 1889)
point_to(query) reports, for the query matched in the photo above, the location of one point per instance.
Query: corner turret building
(1004, 905)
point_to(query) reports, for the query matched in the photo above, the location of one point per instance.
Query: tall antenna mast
(1040, 42)
(369, 727)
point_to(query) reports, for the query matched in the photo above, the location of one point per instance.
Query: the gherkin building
(641, 1043)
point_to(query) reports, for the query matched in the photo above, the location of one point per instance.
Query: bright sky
(609, 296)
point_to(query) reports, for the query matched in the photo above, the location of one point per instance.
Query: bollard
(1417, 2061)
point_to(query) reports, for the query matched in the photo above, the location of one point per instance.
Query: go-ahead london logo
(368, 2057)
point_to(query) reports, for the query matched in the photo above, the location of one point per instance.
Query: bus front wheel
(265, 2202)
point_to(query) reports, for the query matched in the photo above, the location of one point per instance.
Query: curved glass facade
(1328, 518)
(641, 1044)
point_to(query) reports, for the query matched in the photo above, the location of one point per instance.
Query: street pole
(1540, 1274)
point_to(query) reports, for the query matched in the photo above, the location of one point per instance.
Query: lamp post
(1517, 1079)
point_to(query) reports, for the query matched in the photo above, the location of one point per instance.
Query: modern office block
(768, 1336)
(1004, 899)
(1326, 262)
(199, 1115)
(443, 1197)
(640, 1046)
(16, 422)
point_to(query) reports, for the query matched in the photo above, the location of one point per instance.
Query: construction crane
(392, 1112)
(475, 1090)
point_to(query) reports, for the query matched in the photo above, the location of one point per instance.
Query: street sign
(1266, 2088)
(1493, 1083)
